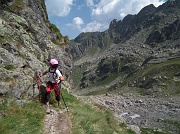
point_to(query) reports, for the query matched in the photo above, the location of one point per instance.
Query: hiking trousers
(50, 87)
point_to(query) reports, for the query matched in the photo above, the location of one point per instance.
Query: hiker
(55, 77)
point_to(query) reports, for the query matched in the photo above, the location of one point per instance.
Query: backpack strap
(54, 72)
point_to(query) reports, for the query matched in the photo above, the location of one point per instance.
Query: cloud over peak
(107, 10)
(93, 15)
(58, 7)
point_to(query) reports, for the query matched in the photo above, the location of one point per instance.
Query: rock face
(26, 38)
(141, 51)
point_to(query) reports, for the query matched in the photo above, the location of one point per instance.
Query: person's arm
(61, 78)
(44, 73)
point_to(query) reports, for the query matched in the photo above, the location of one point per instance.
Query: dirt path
(57, 122)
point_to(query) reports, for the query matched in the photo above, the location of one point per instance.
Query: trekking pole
(39, 84)
(39, 81)
(64, 103)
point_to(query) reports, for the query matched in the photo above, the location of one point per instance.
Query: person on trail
(55, 78)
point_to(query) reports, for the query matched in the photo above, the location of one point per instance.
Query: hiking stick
(39, 82)
(64, 103)
(39, 85)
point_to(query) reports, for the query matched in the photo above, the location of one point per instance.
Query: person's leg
(47, 98)
(48, 91)
(56, 88)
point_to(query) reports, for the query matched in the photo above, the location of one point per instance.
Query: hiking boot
(48, 110)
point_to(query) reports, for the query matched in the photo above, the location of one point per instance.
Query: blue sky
(73, 17)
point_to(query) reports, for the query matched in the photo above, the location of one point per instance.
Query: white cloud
(107, 10)
(104, 11)
(77, 22)
(105, 7)
(95, 26)
(58, 7)
(90, 27)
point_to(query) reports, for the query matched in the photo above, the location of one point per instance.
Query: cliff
(28, 41)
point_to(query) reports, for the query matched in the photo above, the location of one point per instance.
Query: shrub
(9, 67)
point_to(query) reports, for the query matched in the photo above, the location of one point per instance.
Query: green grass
(78, 73)
(97, 92)
(174, 123)
(25, 119)
(151, 131)
(85, 118)
(92, 50)
(9, 67)
(56, 30)
(107, 80)
(155, 69)
(89, 120)
(168, 68)
(17, 6)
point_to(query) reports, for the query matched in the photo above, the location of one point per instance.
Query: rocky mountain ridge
(28, 41)
(128, 47)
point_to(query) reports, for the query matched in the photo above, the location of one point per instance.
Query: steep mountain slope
(27, 41)
(142, 51)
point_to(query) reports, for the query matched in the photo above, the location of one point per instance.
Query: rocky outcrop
(156, 19)
(83, 42)
(169, 32)
(26, 40)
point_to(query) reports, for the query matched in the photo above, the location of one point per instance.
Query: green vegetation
(151, 131)
(174, 123)
(92, 119)
(8, 79)
(61, 40)
(97, 92)
(9, 67)
(106, 71)
(85, 118)
(21, 119)
(43, 5)
(165, 70)
(107, 80)
(3, 39)
(164, 76)
(78, 73)
(17, 6)
(66, 38)
(56, 30)
(93, 50)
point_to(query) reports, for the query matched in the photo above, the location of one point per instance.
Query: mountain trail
(57, 122)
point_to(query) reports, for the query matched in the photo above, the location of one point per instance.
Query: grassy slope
(21, 119)
(84, 117)
(166, 70)
(89, 120)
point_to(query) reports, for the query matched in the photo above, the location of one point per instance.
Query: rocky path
(57, 122)
(161, 114)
